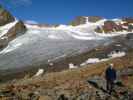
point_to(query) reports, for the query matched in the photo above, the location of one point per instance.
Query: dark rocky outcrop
(111, 26)
(78, 20)
(94, 18)
(17, 30)
(3, 42)
(5, 16)
(99, 30)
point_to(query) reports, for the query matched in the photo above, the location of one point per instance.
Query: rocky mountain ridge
(94, 24)
(108, 25)
(118, 25)
(10, 27)
(5, 16)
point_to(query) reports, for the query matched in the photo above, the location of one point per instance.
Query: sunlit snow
(10, 48)
(4, 29)
(72, 66)
(39, 72)
(39, 44)
(116, 54)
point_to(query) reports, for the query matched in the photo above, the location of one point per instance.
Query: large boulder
(5, 16)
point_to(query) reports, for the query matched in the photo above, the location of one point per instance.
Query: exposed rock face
(79, 20)
(82, 20)
(18, 29)
(110, 26)
(5, 16)
(113, 26)
(3, 42)
(99, 30)
(94, 18)
(128, 19)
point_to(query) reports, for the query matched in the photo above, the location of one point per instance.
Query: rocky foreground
(86, 83)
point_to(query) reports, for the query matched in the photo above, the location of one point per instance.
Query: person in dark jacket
(110, 75)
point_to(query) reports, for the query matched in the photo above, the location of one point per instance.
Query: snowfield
(116, 54)
(113, 54)
(40, 44)
(37, 46)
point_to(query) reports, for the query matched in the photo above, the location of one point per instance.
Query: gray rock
(98, 82)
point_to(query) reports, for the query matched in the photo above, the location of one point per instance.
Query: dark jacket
(110, 74)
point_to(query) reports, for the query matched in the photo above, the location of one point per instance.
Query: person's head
(111, 65)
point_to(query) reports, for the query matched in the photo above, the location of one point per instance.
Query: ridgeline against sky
(63, 11)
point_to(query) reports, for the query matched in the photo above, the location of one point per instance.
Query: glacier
(39, 45)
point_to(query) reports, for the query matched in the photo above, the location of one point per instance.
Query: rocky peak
(18, 29)
(9, 27)
(5, 16)
(85, 19)
(109, 26)
(94, 18)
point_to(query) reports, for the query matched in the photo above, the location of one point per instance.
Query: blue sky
(63, 11)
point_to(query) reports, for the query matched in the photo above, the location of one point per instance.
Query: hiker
(110, 75)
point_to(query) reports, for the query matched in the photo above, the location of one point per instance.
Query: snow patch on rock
(72, 66)
(115, 54)
(4, 29)
(39, 72)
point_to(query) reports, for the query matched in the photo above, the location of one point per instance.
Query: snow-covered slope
(41, 44)
(86, 31)
(4, 29)
(38, 46)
